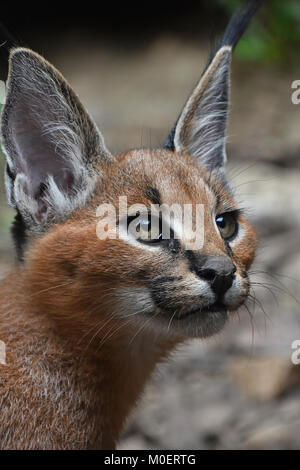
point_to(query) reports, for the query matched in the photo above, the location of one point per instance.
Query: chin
(197, 323)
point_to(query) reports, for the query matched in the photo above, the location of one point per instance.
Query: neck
(99, 357)
(129, 370)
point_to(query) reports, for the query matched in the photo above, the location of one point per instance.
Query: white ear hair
(55, 152)
(201, 128)
(2, 92)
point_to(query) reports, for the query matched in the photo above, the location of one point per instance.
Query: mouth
(212, 308)
(200, 322)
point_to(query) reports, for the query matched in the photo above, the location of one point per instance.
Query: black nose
(219, 271)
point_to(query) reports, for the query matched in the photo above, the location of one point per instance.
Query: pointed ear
(201, 128)
(54, 150)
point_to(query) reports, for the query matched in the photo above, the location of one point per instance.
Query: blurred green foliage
(274, 35)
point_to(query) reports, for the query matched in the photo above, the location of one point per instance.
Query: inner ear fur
(53, 148)
(201, 127)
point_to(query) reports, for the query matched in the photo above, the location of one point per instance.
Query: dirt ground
(239, 390)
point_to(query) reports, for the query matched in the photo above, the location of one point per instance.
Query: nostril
(218, 271)
(209, 274)
(221, 283)
(220, 274)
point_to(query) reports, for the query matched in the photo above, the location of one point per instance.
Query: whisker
(51, 288)
(269, 289)
(279, 289)
(274, 276)
(252, 326)
(259, 304)
(142, 327)
(169, 325)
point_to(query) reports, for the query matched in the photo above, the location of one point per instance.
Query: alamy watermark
(295, 357)
(295, 97)
(2, 353)
(160, 222)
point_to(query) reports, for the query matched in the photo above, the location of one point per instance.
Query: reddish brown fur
(84, 320)
(74, 373)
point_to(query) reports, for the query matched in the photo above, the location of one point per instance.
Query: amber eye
(143, 230)
(227, 224)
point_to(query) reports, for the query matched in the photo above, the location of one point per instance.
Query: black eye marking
(228, 249)
(153, 195)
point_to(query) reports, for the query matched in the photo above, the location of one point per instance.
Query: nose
(219, 271)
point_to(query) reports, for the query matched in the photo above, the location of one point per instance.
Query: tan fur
(84, 321)
(73, 370)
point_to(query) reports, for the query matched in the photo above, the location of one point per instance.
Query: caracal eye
(227, 225)
(143, 229)
(146, 229)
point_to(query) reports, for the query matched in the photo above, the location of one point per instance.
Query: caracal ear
(54, 150)
(201, 127)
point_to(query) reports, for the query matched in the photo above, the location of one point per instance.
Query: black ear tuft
(238, 24)
(213, 86)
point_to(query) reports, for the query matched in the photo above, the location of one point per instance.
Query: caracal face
(175, 257)
(181, 278)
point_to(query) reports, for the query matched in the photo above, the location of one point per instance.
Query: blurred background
(133, 69)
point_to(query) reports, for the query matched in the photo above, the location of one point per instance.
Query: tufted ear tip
(201, 127)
